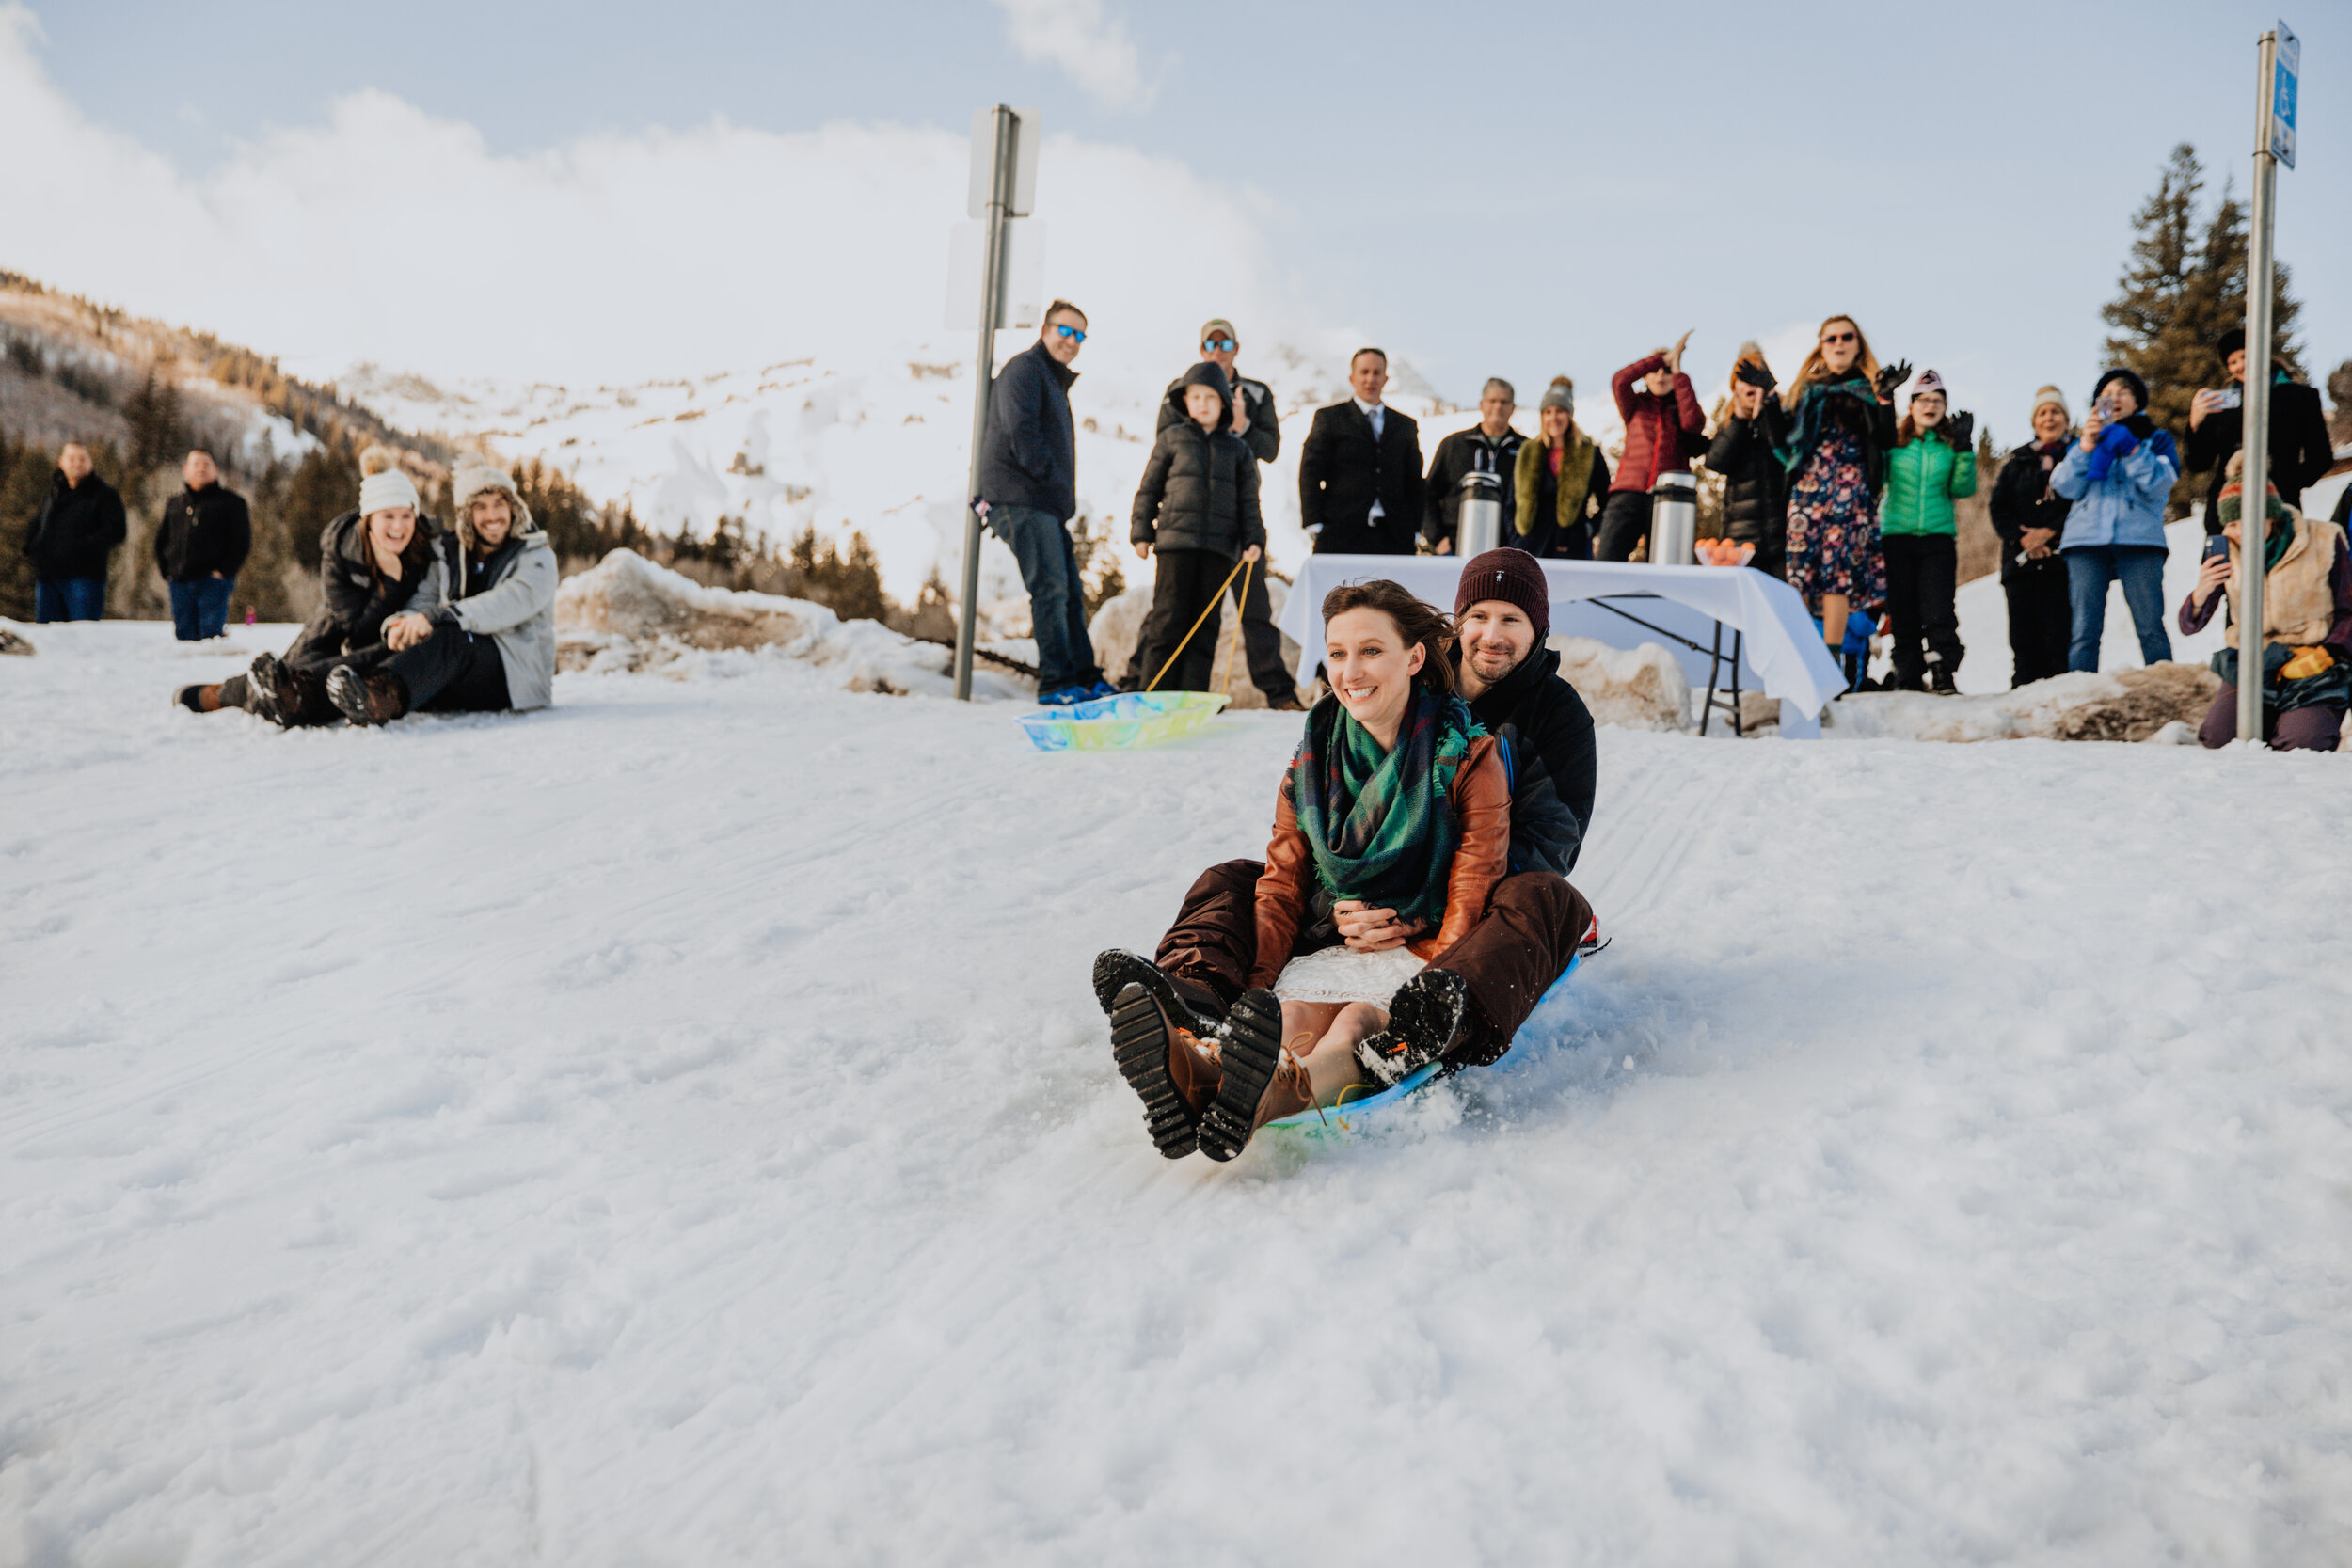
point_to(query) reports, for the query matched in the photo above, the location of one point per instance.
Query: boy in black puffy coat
(1198, 510)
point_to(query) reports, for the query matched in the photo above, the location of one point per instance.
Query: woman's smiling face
(1371, 666)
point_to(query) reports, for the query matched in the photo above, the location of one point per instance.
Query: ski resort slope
(674, 1128)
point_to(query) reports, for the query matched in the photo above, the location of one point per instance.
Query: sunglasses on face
(1076, 334)
(1839, 337)
(1220, 345)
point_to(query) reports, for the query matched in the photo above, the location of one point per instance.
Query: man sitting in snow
(478, 633)
(1536, 922)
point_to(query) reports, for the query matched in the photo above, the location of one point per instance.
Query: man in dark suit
(1359, 474)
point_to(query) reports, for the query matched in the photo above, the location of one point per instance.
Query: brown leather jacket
(1482, 803)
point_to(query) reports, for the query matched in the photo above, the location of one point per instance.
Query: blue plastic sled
(1350, 1117)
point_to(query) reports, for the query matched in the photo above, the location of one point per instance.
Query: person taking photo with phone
(1755, 489)
(2300, 451)
(2306, 622)
(2117, 475)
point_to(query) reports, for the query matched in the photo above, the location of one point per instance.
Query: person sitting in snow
(2307, 623)
(479, 633)
(371, 562)
(1533, 924)
(1195, 509)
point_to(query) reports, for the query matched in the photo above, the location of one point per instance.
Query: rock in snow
(625, 613)
(2119, 705)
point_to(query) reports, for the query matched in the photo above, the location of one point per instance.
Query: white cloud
(388, 234)
(1092, 49)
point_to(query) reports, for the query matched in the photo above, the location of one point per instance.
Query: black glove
(1964, 430)
(1755, 375)
(1892, 376)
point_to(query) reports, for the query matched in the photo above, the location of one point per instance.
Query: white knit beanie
(2046, 396)
(382, 484)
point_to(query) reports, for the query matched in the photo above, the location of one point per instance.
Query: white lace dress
(1343, 974)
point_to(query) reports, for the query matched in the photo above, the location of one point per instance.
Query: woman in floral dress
(1831, 431)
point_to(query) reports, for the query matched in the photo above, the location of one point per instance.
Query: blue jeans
(69, 598)
(200, 609)
(1058, 600)
(2089, 570)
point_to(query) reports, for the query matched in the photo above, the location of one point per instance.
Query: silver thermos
(1478, 527)
(1673, 520)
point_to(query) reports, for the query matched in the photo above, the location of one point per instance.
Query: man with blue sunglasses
(1029, 490)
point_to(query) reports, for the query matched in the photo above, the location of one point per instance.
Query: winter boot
(268, 691)
(1423, 1017)
(1115, 969)
(199, 699)
(1286, 701)
(1259, 1081)
(1166, 1065)
(376, 699)
(1942, 681)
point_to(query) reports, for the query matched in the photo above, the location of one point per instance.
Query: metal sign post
(1004, 184)
(2274, 137)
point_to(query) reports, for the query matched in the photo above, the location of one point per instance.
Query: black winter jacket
(203, 531)
(1756, 486)
(1872, 423)
(1030, 456)
(1264, 433)
(356, 599)
(1469, 451)
(2299, 448)
(1200, 489)
(75, 531)
(2021, 498)
(1548, 733)
(1343, 469)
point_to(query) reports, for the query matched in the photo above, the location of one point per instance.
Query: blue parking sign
(2283, 82)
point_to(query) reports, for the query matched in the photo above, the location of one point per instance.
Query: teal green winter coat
(1924, 476)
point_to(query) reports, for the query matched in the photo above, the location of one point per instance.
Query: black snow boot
(376, 699)
(1165, 1067)
(1423, 1017)
(267, 692)
(1259, 1082)
(1115, 969)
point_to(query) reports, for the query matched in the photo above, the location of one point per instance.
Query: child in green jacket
(1932, 466)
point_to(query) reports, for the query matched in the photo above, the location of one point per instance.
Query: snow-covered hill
(675, 1127)
(878, 444)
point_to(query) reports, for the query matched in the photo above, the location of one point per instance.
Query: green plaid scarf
(1380, 823)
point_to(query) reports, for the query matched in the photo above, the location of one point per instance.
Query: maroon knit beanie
(1512, 575)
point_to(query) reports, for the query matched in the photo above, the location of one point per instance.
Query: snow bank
(2119, 705)
(627, 614)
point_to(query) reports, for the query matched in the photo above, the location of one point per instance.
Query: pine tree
(2184, 285)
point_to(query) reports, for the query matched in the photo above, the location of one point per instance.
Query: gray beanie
(1559, 394)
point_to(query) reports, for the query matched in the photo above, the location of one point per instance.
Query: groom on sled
(1217, 1037)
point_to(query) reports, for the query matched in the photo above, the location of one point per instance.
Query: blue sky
(1539, 188)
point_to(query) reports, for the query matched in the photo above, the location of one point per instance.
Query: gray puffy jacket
(517, 607)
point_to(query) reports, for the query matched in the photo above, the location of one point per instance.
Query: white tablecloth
(1781, 650)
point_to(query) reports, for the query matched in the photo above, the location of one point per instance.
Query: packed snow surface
(675, 1127)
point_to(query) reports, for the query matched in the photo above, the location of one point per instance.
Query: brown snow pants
(1509, 960)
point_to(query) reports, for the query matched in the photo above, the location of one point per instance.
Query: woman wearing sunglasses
(1831, 432)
